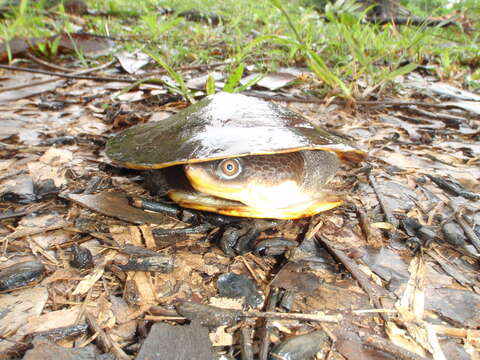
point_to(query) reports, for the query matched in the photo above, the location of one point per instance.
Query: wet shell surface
(222, 126)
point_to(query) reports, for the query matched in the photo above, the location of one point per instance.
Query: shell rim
(362, 155)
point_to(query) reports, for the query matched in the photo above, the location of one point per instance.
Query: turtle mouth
(204, 202)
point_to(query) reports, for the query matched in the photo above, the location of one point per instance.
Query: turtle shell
(221, 126)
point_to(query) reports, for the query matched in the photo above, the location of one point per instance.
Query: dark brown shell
(221, 126)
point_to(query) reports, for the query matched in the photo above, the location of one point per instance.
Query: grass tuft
(337, 45)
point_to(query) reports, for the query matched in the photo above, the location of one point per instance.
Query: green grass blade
(322, 71)
(399, 72)
(210, 85)
(279, 6)
(249, 83)
(234, 79)
(184, 90)
(23, 7)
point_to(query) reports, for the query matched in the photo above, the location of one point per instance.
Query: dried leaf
(116, 205)
(132, 62)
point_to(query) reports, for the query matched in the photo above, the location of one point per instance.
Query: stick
(68, 76)
(54, 74)
(389, 347)
(265, 336)
(373, 291)
(381, 199)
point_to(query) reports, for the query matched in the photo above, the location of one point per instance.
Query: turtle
(242, 156)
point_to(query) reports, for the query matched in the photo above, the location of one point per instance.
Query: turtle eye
(230, 168)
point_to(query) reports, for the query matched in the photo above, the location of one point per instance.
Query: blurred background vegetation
(344, 42)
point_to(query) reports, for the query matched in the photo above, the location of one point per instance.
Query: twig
(456, 332)
(39, 61)
(414, 21)
(367, 230)
(384, 103)
(468, 231)
(99, 67)
(105, 342)
(329, 318)
(453, 187)
(165, 317)
(393, 103)
(465, 226)
(15, 173)
(36, 83)
(265, 337)
(86, 71)
(373, 291)
(68, 76)
(33, 231)
(246, 340)
(294, 316)
(381, 199)
(79, 75)
(446, 118)
(60, 333)
(191, 67)
(384, 345)
(251, 271)
(335, 318)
